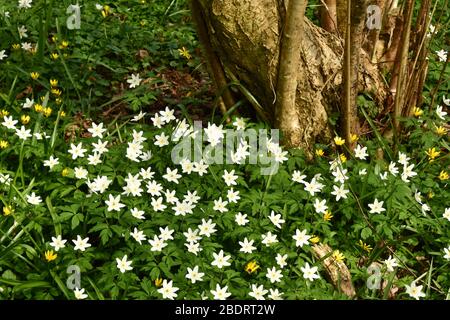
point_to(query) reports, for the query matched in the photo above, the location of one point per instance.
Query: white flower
(229, 178)
(339, 175)
(77, 150)
(194, 275)
(361, 153)
(80, 173)
(193, 247)
(258, 292)
(134, 81)
(309, 272)
(440, 113)
(390, 263)
(269, 238)
(281, 260)
(313, 187)
(408, 172)
(376, 207)
(275, 294)
(220, 205)
(138, 235)
(166, 233)
(207, 228)
(94, 159)
(403, 159)
(220, 293)
(167, 115)
(200, 168)
(320, 206)
(138, 214)
(192, 235)
(23, 133)
(233, 196)
(33, 199)
(114, 203)
(58, 242)
(172, 175)
(81, 244)
(9, 123)
(393, 169)
(161, 140)
(297, 176)
(339, 192)
(168, 290)
(22, 32)
(214, 134)
(26, 46)
(447, 253)
(274, 275)
(414, 291)
(138, 116)
(446, 214)
(239, 123)
(124, 265)
(276, 219)
(247, 246)
(154, 188)
(241, 219)
(157, 244)
(51, 162)
(191, 197)
(97, 130)
(25, 4)
(158, 205)
(301, 238)
(220, 260)
(98, 6)
(79, 294)
(446, 101)
(28, 103)
(100, 147)
(362, 172)
(442, 55)
(2, 55)
(425, 209)
(157, 121)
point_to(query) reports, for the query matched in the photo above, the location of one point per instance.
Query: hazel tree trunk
(246, 36)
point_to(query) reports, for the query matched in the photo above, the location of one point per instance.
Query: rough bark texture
(246, 35)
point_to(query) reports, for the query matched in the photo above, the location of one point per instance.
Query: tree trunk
(246, 36)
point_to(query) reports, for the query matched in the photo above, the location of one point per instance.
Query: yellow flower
(327, 216)
(143, 23)
(16, 46)
(417, 112)
(365, 246)
(55, 38)
(314, 239)
(53, 83)
(432, 154)
(58, 101)
(354, 137)
(34, 75)
(65, 172)
(338, 256)
(3, 113)
(62, 114)
(430, 195)
(7, 210)
(158, 282)
(38, 107)
(251, 267)
(342, 157)
(339, 141)
(319, 152)
(64, 44)
(56, 92)
(54, 56)
(42, 98)
(47, 111)
(25, 119)
(33, 50)
(443, 175)
(50, 255)
(441, 130)
(184, 53)
(106, 11)
(4, 144)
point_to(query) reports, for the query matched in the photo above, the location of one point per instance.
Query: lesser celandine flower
(47, 111)
(158, 282)
(50, 255)
(185, 53)
(4, 144)
(327, 216)
(54, 56)
(364, 246)
(417, 112)
(443, 175)
(339, 141)
(354, 138)
(315, 239)
(53, 83)
(432, 154)
(15, 46)
(64, 44)
(343, 157)
(7, 210)
(319, 152)
(34, 75)
(338, 256)
(251, 267)
(441, 130)
(38, 107)
(25, 119)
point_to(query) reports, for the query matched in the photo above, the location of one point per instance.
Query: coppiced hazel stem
(215, 66)
(286, 116)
